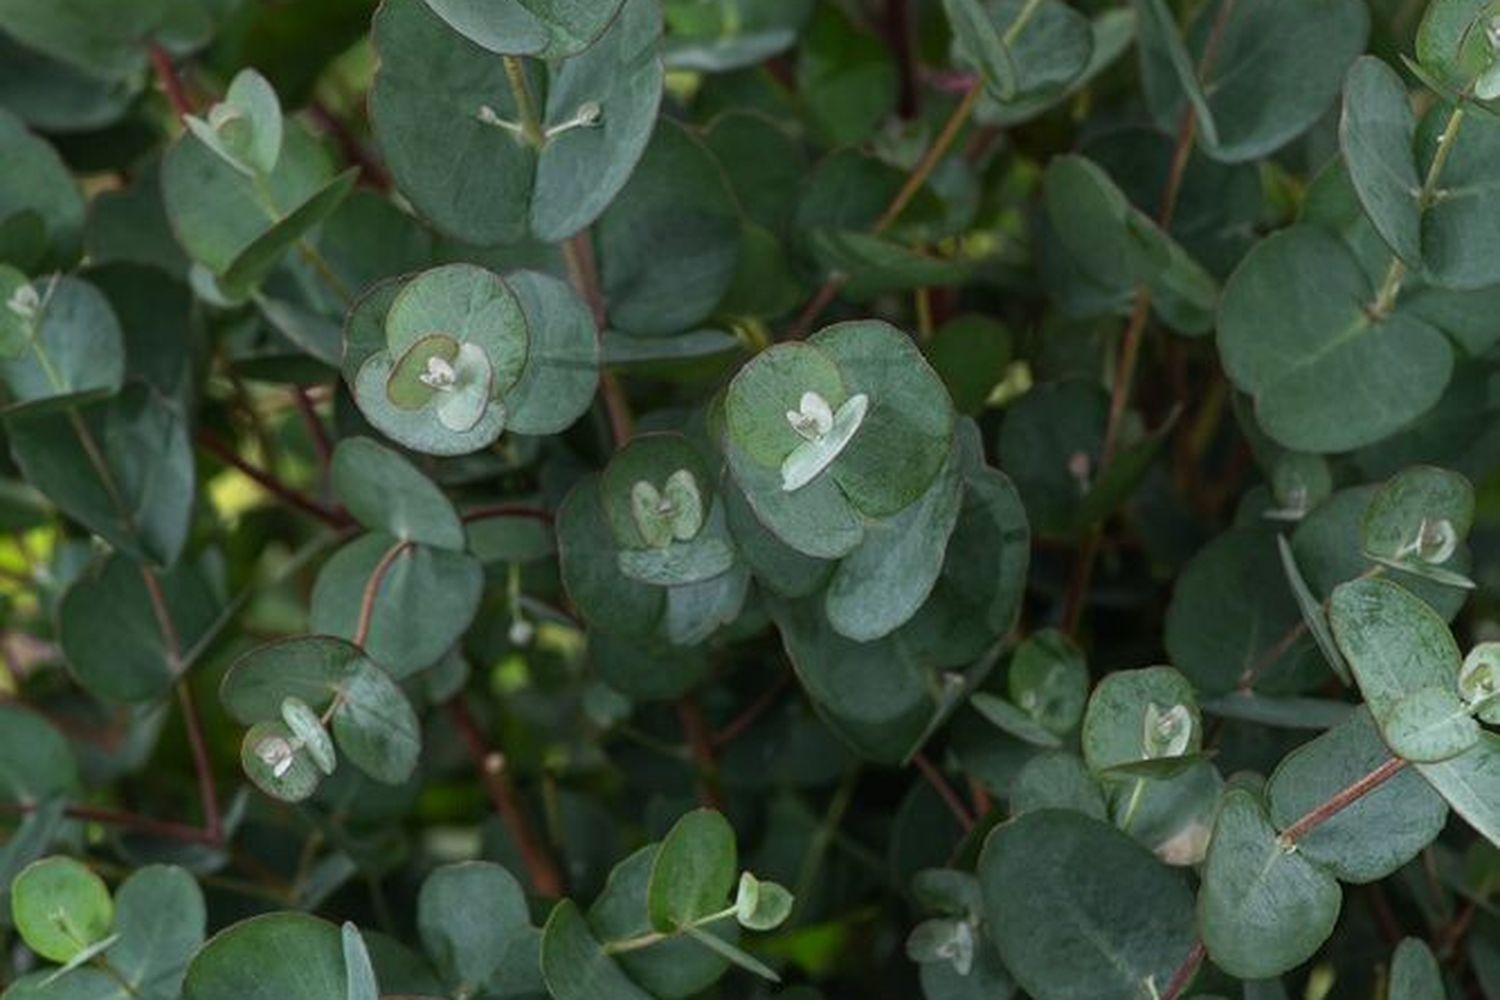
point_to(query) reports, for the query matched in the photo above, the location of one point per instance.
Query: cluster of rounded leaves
(828, 499)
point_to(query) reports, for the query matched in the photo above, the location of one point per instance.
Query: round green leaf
(77, 349)
(575, 967)
(1415, 974)
(425, 601)
(1429, 724)
(1078, 909)
(1263, 909)
(376, 727)
(1418, 519)
(1295, 320)
(307, 727)
(145, 503)
(276, 759)
(1050, 680)
(236, 963)
(1376, 134)
(162, 922)
(675, 967)
(1395, 644)
(562, 365)
(591, 572)
(61, 908)
(110, 633)
(474, 922)
(669, 245)
(36, 181)
(385, 492)
(1116, 722)
(310, 668)
(36, 761)
(694, 871)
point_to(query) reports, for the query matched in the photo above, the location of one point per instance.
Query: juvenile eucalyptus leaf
(60, 908)
(1065, 928)
(1414, 972)
(309, 966)
(1263, 908)
(474, 923)
(694, 872)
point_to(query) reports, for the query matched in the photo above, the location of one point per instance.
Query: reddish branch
(1288, 839)
(130, 821)
(545, 875)
(914, 182)
(507, 510)
(1342, 800)
(1185, 972)
(354, 151)
(171, 83)
(372, 590)
(208, 792)
(578, 252)
(292, 497)
(945, 791)
(316, 432)
(741, 723)
(701, 743)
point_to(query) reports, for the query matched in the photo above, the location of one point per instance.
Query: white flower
(25, 302)
(440, 375)
(277, 754)
(1167, 731)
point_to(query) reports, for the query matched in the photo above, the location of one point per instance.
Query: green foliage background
(616, 499)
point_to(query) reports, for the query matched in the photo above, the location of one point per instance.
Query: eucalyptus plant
(801, 499)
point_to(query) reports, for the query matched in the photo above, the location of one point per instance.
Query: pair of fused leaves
(668, 921)
(822, 437)
(1048, 684)
(452, 127)
(241, 188)
(1457, 51)
(645, 547)
(300, 696)
(137, 942)
(444, 361)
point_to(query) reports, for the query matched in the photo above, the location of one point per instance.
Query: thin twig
(316, 432)
(171, 83)
(126, 820)
(945, 791)
(545, 875)
(1344, 798)
(1185, 972)
(354, 151)
(208, 792)
(372, 589)
(741, 723)
(701, 743)
(294, 498)
(578, 253)
(506, 510)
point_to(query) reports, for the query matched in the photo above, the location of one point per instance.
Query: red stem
(354, 151)
(701, 743)
(132, 821)
(507, 510)
(742, 722)
(1185, 972)
(316, 432)
(945, 791)
(171, 83)
(1344, 798)
(294, 498)
(372, 590)
(544, 873)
